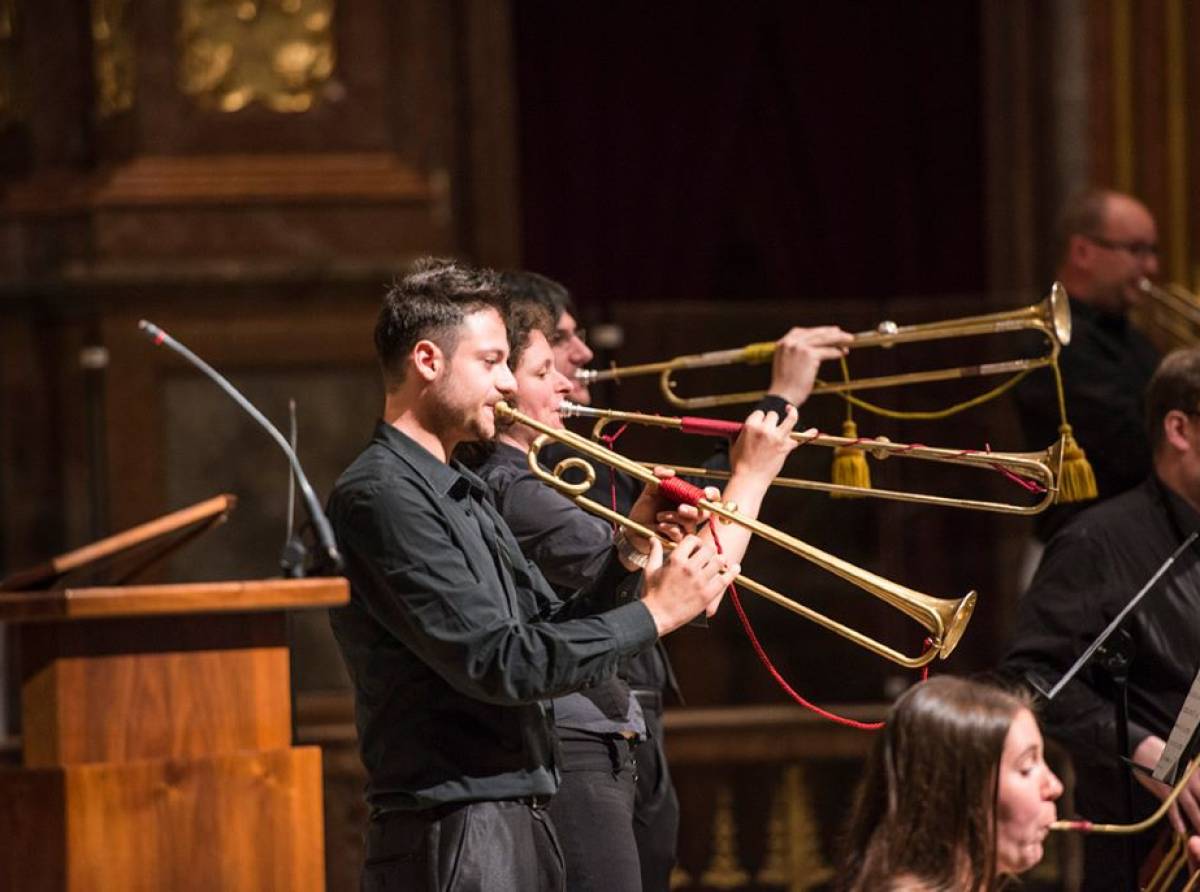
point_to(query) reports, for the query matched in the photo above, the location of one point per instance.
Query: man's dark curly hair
(430, 302)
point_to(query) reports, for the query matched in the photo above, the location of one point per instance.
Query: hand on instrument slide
(670, 521)
(1185, 813)
(680, 586)
(798, 355)
(764, 443)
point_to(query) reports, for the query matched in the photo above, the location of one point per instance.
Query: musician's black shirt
(453, 639)
(1090, 570)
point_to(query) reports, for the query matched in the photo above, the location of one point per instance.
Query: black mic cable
(332, 559)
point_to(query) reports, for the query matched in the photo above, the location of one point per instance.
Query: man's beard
(452, 415)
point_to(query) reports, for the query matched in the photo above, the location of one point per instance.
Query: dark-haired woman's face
(1026, 794)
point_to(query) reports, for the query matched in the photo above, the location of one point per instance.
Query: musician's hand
(1185, 813)
(683, 584)
(798, 355)
(673, 522)
(763, 445)
(1193, 853)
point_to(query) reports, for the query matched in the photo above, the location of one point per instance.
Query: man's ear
(428, 359)
(1080, 250)
(1175, 430)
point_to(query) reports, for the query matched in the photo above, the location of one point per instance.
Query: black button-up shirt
(570, 547)
(1091, 569)
(453, 639)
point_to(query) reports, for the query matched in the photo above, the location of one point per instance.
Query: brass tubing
(944, 619)
(1084, 826)
(1034, 466)
(1052, 317)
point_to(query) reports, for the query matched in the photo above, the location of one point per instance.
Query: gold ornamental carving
(275, 52)
(113, 56)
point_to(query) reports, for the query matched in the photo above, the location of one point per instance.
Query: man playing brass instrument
(453, 640)
(649, 673)
(594, 809)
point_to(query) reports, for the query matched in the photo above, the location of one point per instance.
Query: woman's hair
(926, 805)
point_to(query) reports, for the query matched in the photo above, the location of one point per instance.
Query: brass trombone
(1173, 311)
(1052, 317)
(1039, 468)
(945, 619)
(1175, 860)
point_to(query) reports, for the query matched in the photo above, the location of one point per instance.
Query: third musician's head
(956, 792)
(1107, 243)
(441, 342)
(541, 388)
(571, 352)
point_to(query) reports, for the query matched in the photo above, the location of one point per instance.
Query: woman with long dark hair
(956, 794)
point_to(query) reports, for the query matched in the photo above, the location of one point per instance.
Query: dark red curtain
(769, 150)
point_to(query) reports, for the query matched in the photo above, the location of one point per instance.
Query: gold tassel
(1076, 481)
(850, 464)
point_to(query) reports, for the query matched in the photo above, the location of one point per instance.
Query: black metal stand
(1116, 656)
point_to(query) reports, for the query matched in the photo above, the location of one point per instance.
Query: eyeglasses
(1140, 250)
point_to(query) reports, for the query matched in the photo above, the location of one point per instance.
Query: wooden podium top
(158, 600)
(88, 583)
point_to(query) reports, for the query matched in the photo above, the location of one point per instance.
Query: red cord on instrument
(610, 440)
(684, 492)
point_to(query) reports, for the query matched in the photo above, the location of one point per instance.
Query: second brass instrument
(944, 619)
(1051, 316)
(1040, 468)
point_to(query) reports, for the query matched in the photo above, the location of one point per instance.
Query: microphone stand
(1115, 647)
(329, 561)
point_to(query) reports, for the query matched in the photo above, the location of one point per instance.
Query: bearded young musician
(452, 638)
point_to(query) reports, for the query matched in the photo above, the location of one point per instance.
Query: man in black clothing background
(1107, 243)
(1091, 568)
(452, 638)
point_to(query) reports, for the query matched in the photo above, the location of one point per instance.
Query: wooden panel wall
(230, 167)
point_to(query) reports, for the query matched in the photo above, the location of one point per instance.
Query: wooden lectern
(156, 726)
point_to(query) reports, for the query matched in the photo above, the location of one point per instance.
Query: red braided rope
(610, 440)
(684, 492)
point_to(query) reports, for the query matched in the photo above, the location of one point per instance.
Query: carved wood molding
(377, 178)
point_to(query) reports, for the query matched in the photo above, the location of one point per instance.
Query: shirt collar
(445, 479)
(1186, 518)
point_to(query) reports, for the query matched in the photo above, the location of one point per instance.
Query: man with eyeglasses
(1107, 244)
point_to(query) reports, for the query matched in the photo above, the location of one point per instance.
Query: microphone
(324, 532)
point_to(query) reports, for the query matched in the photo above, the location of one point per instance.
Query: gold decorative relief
(275, 52)
(680, 878)
(793, 860)
(11, 107)
(113, 59)
(725, 870)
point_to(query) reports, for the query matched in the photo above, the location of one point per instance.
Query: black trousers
(476, 847)
(593, 813)
(656, 807)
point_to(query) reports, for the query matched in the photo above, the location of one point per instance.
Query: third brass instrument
(1172, 312)
(944, 619)
(1041, 468)
(1051, 316)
